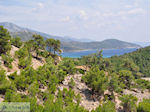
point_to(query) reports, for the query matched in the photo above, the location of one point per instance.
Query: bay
(106, 53)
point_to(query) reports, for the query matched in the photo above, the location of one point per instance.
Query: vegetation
(128, 103)
(106, 107)
(4, 83)
(16, 42)
(24, 57)
(144, 106)
(105, 78)
(5, 44)
(97, 80)
(6, 58)
(53, 45)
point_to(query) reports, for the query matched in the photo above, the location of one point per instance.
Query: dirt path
(87, 99)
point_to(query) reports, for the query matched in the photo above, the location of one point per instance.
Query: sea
(105, 53)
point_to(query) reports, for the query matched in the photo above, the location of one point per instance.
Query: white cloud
(40, 5)
(83, 15)
(66, 19)
(128, 6)
(100, 20)
(137, 11)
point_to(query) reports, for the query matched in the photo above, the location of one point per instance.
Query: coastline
(71, 51)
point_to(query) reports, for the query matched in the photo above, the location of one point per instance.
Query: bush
(26, 78)
(144, 106)
(97, 80)
(7, 60)
(128, 103)
(24, 57)
(68, 66)
(71, 83)
(16, 42)
(143, 84)
(4, 83)
(106, 107)
(126, 78)
(25, 62)
(5, 44)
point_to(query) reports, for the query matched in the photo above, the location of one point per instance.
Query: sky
(127, 20)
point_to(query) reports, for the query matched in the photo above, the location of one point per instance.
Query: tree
(128, 103)
(39, 44)
(114, 85)
(126, 77)
(71, 83)
(57, 46)
(49, 45)
(144, 106)
(7, 60)
(24, 57)
(5, 44)
(29, 45)
(97, 80)
(106, 107)
(53, 45)
(4, 83)
(68, 66)
(16, 42)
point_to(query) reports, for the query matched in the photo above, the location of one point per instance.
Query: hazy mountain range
(143, 44)
(68, 43)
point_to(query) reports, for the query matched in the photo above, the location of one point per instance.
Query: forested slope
(30, 73)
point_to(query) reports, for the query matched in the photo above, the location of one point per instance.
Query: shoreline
(100, 49)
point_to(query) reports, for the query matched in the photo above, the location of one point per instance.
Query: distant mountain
(143, 44)
(106, 44)
(68, 43)
(26, 34)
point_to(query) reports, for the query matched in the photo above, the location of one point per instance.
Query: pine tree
(5, 44)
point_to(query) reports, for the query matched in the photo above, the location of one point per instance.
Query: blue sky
(127, 20)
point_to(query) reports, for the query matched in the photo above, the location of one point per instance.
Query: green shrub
(4, 83)
(97, 80)
(106, 107)
(71, 83)
(5, 44)
(143, 84)
(25, 62)
(68, 66)
(16, 42)
(129, 103)
(7, 60)
(22, 53)
(144, 106)
(24, 57)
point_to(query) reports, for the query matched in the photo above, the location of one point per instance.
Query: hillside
(30, 73)
(68, 43)
(141, 58)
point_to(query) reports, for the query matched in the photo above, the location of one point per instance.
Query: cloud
(83, 15)
(66, 19)
(128, 6)
(137, 11)
(91, 18)
(40, 5)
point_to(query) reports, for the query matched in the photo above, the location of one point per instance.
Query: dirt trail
(87, 100)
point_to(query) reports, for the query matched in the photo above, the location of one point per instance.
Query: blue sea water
(106, 53)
